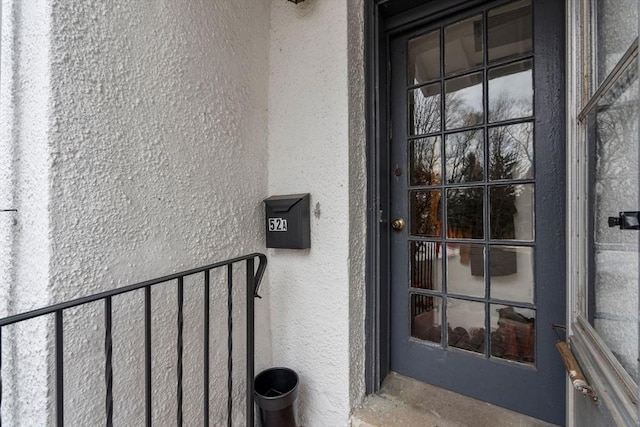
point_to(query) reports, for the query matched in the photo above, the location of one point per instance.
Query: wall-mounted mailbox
(287, 221)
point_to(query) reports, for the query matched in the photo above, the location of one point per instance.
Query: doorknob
(397, 224)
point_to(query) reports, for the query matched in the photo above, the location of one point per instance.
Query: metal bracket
(626, 220)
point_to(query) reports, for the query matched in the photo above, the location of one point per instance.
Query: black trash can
(275, 391)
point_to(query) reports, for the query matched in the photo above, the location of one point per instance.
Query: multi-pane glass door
(471, 241)
(471, 186)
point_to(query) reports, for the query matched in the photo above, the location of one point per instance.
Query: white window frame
(617, 392)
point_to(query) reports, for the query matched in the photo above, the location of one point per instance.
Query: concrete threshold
(403, 402)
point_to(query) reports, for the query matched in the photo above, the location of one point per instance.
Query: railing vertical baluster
(1, 347)
(229, 343)
(250, 338)
(180, 347)
(59, 370)
(147, 352)
(108, 366)
(253, 280)
(206, 347)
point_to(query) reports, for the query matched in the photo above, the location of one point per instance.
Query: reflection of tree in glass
(464, 212)
(425, 218)
(507, 144)
(465, 156)
(510, 157)
(425, 161)
(425, 110)
(512, 144)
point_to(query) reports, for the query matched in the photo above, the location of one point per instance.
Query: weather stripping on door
(573, 368)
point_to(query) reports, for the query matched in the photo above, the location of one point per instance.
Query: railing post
(59, 369)
(207, 295)
(229, 344)
(251, 288)
(180, 348)
(147, 353)
(1, 383)
(108, 365)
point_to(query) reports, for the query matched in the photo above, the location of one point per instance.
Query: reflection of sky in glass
(463, 102)
(511, 92)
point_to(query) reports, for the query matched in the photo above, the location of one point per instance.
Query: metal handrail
(253, 280)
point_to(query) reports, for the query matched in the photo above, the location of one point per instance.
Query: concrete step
(406, 402)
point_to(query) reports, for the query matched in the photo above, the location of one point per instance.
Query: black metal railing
(253, 278)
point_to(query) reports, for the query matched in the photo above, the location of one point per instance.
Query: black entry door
(477, 204)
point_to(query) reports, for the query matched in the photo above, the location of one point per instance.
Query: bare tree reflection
(510, 156)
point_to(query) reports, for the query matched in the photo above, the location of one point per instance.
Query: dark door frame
(383, 19)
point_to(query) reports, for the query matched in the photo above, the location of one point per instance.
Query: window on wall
(604, 177)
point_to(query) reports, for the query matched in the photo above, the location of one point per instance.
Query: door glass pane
(614, 305)
(511, 212)
(511, 152)
(426, 161)
(465, 324)
(426, 265)
(463, 45)
(425, 213)
(463, 101)
(511, 269)
(424, 110)
(513, 333)
(423, 63)
(617, 28)
(510, 29)
(465, 270)
(464, 212)
(426, 318)
(465, 156)
(511, 91)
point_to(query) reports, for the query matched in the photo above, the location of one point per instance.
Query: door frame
(383, 19)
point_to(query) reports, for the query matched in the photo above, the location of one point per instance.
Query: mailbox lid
(284, 203)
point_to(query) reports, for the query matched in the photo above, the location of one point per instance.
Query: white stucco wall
(316, 146)
(141, 138)
(25, 108)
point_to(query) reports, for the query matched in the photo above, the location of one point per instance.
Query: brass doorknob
(397, 224)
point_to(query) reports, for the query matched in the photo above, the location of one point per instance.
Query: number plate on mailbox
(277, 224)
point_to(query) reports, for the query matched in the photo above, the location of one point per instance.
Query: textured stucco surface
(24, 174)
(357, 201)
(154, 130)
(316, 146)
(147, 139)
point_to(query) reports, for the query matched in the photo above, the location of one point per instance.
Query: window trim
(617, 391)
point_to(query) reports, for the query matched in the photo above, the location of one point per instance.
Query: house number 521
(277, 224)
